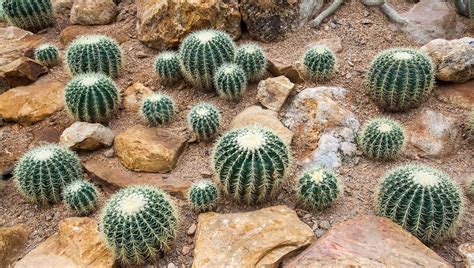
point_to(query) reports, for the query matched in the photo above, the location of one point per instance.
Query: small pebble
(186, 250)
(325, 224)
(319, 233)
(109, 153)
(171, 265)
(192, 229)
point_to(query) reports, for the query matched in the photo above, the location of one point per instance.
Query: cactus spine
(47, 54)
(252, 60)
(204, 119)
(31, 15)
(382, 138)
(230, 81)
(167, 66)
(319, 63)
(157, 109)
(318, 187)
(203, 195)
(81, 197)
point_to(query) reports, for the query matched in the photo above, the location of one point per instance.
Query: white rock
(87, 136)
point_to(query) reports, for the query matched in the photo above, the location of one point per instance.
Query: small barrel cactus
(202, 53)
(382, 138)
(138, 224)
(167, 66)
(203, 195)
(43, 172)
(47, 54)
(204, 119)
(230, 81)
(81, 197)
(31, 15)
(94, 54)
(318, 187)
(92, 97)
(421, 199)
(400, 79)
(157, 109)
(252, 60)
(251, 163)
(319, 63)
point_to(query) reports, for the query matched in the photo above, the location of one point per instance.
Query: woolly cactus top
(92, 39)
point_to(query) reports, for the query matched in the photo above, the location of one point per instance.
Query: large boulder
(284, 67)
(93, 12)
(17, 43)
(87, 136)
(70, 33)
(12, 242)
(21, 72)
(62, 7)
(273, 92)
(459, 95)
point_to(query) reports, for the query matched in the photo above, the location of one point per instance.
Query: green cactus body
(319, 63)
(2, 12)
(204, 119)
(167, 66)
(47, 54)
(94, 54)
(250, 163)
(157, 109)
(400, 79)
(31, 15)
(318, 187)
(92, 98)
(42, 173)
(138, 224)
(252, 60)
(421, 199)
(202, 53)
(81, 197)
(471, 9)
(230, 81)
(471, 189)
(382, 138)
(203, 195)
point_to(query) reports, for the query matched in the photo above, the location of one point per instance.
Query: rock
(256, 115)
(93, 12)
(433, 135)
(149, 149)
(29, 104)
(72, 32)
(21, 72)
(323, 125)
(280, 67)
(453, 59)
(252, 239)
(17, 43)
(467, 252)
(367, 241)
(163, 24)
(335, 44)
(273, 92)
(12, 242)
(61, 7)
(45, 135)
(191, 229)
(308, 9)
(134, 95)
(87, 136)
(459, 95)
(78, 243)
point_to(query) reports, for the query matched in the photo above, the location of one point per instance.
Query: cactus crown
(157, 109)
(252, 60)
(382, 138)
(204, 119)
(138, 224)
(230, 81)
(319, 63)
(318, 187)
(81, 197)
(421, 199)
(31, 15)
(167, 66)
(203, 195)
(250, 163)
(47, 54)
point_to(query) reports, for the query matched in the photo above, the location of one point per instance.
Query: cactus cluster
(382, 138)
(230, 81)
(157, 109)
(42, 173)
(94, 54)
(91, 98)
(204, 119)
(250, 163)
(138, 224)
(318, 187)
(400, 79)
(167, 66)
(81, 197)
(252, 60)
(421, 199)
(203, 195)
(47, 54)
(319, 63)
(31, 15)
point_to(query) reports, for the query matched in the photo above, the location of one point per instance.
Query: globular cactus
(138, 224)
(400, 79)
(167, 66)
(318, 187)
(230, 81)
(382, 138)
(47, 54)
(92, 98)
(319, 63)
(250, 163)
(94, 54)
(204, 119)
(202, 53)
(42, 173)
(203, 195)
(421, 199)
(252, 60)
(81, 197)
(31, 15)
(157, 109)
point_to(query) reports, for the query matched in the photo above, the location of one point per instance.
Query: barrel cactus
(421, 199)
(400, 79)
(81, 197)
(202, 53)
(157, 109)
(318, 187)
(319, 63)
(47, 54)
(94, 54)
(230, 81)
(42, 173)
(382, 138)
(167, 66)
(138, 224)
(203, 195)
(91, 98)
(204, 119)
(252, 60)
(31, 15)
(250, 163)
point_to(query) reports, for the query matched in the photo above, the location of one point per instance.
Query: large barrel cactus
(252, 60)
(318, 187)
(382, 138)
(31, 15)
